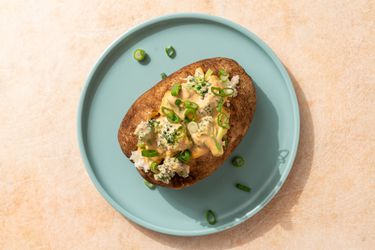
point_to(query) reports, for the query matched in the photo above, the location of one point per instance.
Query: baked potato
(183, 128)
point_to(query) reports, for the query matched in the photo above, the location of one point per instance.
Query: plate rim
(214, 19)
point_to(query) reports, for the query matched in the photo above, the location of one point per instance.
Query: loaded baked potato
(182, 129)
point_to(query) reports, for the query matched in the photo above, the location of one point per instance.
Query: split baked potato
(183, 128)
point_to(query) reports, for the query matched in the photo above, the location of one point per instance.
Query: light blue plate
(117, 80)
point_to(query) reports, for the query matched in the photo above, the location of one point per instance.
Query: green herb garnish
(223, 120)
(139, 54)
(238, 161)
(178, 102)
(171, 116)
(190, 115)
(191, 105)
(184, 156)
(163, 75)
(149, 153)
(149, 185)
(154, 167)
(222, 92)
(171, 52)
(243, 187)
(175, 89)
(220, 104)
(211, 217)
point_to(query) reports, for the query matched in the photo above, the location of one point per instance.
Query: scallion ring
(223, 120)
(243, 187)
(171, 52)
(222, 92)
(149, 153)
(220, 104)
(149, 185)
(211, 217)
(163, 75)
(178, 102)
(238, 161)
(175, 89)
(139, 54)
(191, 105)
(190, 115)
(154, 167)
(171, 116)
(184, 156)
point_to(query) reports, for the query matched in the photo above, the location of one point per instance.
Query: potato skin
(242, 110)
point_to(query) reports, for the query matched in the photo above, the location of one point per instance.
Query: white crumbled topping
(167, 136)
(143, 129)
(205, 125)
(169, 168)
(233, 84)
(139, 161)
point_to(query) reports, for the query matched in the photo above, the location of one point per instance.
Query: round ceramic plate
(117, 80)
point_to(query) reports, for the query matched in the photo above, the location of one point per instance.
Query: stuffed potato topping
(181, 130)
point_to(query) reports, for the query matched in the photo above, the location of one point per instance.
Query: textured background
(46, 51)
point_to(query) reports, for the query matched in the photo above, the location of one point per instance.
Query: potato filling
(193, 120)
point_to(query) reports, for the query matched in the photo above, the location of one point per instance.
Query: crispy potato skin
(242, 110)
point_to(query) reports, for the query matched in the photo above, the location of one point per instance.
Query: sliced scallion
(190, 115)
(220, 104)
(178, 102)
(191, 105)
(223, 120)
(184, 156)
(149, 153)
(243, 187)
(238, 161)
(154, 167)
(149, 185)
(211, 217)
(171, 116)
(175, 89)
(171, 52)
(163, 75)
(222, 92)
(139, 54)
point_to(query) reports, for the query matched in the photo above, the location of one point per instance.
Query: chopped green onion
(191, 105)
(154, 167)
(149, 185)
(223, 75)
(175, 89)
(243, 187)
(211, 217)
(163, 75)
(223, 120)
(171, 52)
(149, 153)
(220, 104)
(171, 116)
(208, 74)
(238, 161)
(178, 102)
(139, 54)
(190, 115)
(184, 156)
(222, 92)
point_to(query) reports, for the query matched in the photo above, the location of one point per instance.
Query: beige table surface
(47, 200)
